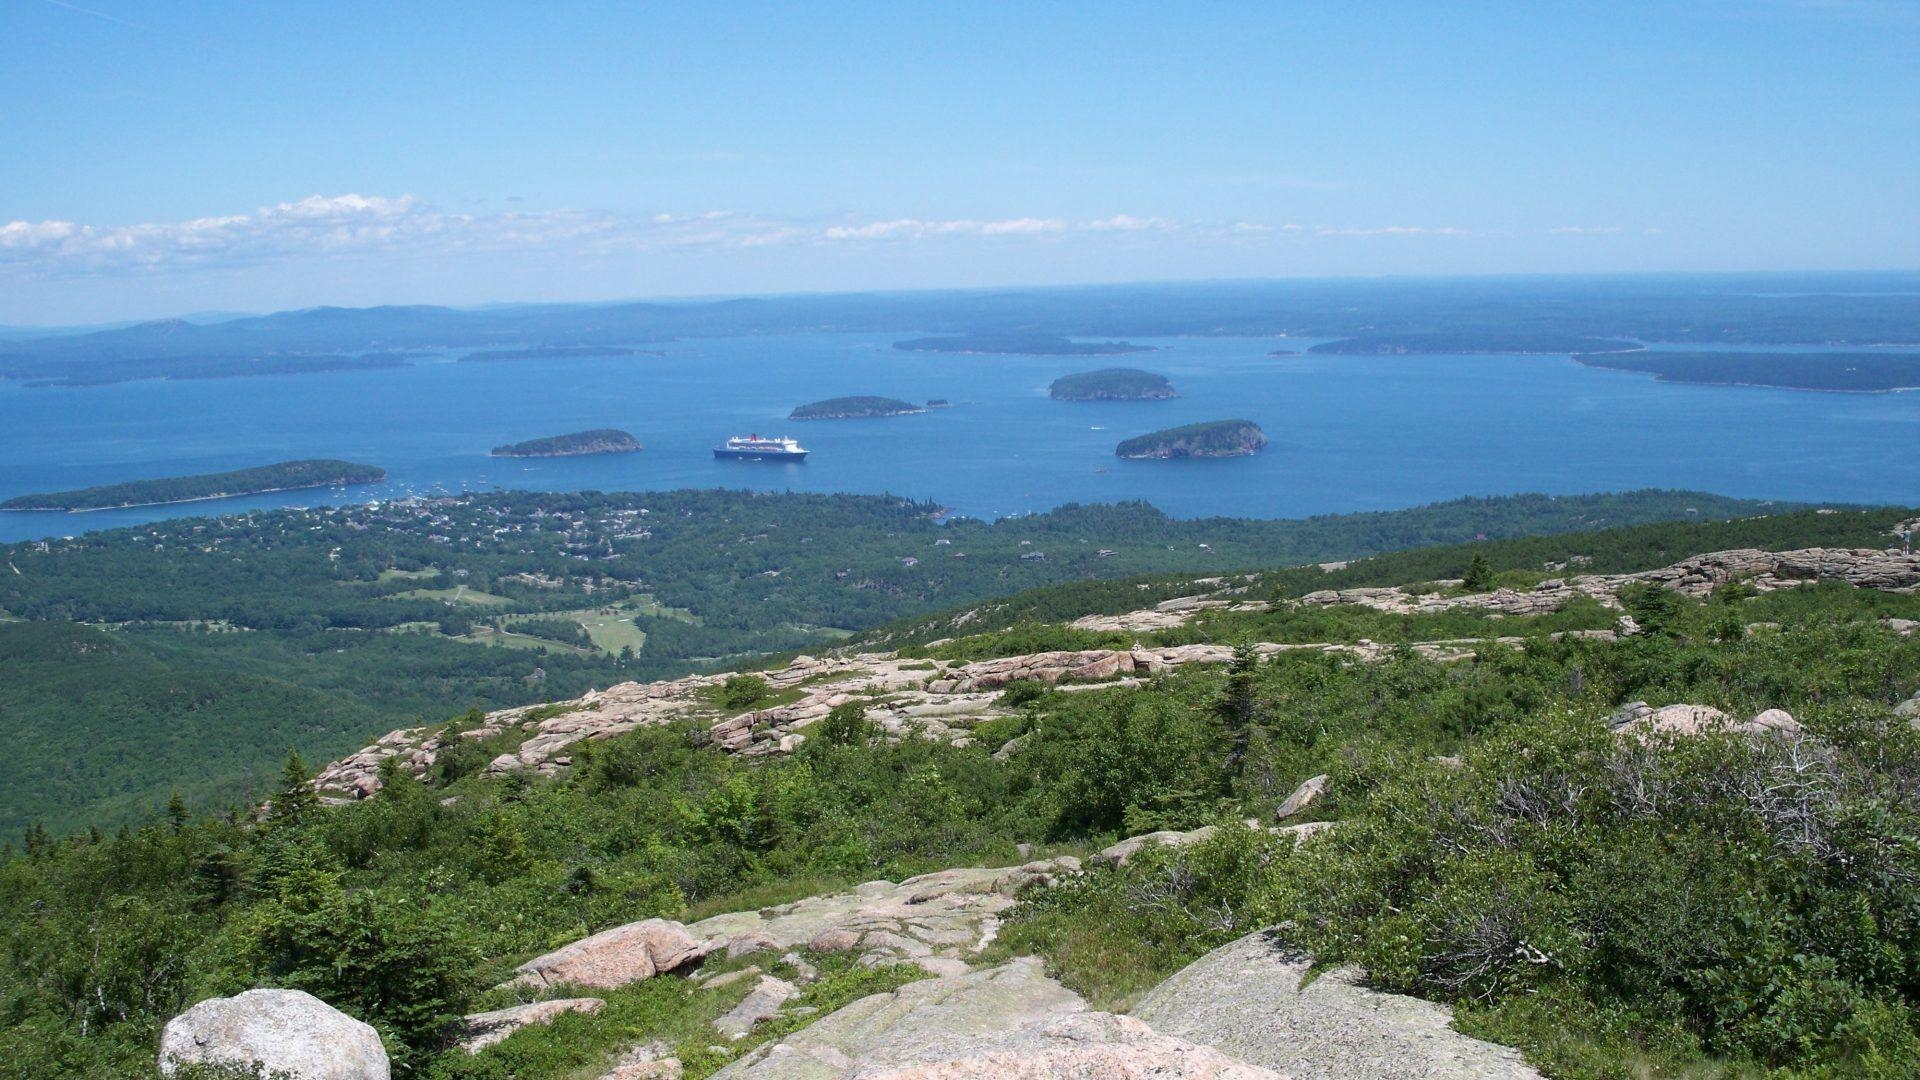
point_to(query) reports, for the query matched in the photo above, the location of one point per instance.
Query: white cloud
(915, 228)
(1129, 223)
(1392, 230)
(1586, 230)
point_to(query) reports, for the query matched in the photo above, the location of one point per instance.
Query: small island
(855, 408)
(284, 476)
(1853, 373)
(1019, 345)
(1212, 439)
(1111, 384)
(597, 441)
(1283, 352)
(1472, 343)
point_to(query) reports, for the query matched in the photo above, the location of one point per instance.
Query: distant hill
(1019, 345)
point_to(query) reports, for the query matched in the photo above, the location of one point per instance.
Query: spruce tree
(296, 796)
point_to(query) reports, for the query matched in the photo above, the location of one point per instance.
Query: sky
(161, 159)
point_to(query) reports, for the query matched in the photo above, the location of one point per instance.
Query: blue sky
(164, 158)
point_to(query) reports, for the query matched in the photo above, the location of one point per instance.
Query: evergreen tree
(177, 812)
(296, 797)
(1479, 575)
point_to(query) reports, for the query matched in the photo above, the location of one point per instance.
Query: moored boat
(761, 448)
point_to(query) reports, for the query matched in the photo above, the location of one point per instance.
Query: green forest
(376, 618)
(1212, 438)
(1686, 905)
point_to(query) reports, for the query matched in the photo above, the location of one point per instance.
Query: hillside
(422, 608)
(1126, 836)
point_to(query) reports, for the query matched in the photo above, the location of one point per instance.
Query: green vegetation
(1855, 372)
(1615, 906)
(381, 617)
(1020, 345)
(1456, 342)
(851, 408)
(597, 441)
(284, 476)
(1211, 439)
(1111, 384)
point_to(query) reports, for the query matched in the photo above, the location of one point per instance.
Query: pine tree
(1479, 575)
(177, 812)
(1237, 706)
(296, 796)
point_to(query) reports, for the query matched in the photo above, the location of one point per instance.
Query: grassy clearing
(407, 575)
(459, 594)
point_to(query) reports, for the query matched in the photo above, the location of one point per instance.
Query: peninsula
(1111, 384)
(284, 476)
(597, 441)
(1211, 439)
(1019, 345)
(855, 408)
(1854, 372)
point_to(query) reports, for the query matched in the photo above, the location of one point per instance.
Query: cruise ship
(761, 448)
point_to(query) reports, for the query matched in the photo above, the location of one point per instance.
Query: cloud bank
(322, 227)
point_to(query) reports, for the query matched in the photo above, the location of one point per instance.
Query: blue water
(1348, 433)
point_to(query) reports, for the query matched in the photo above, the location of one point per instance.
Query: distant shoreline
(175, 502)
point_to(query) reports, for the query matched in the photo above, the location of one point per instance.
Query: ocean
(1346, 433)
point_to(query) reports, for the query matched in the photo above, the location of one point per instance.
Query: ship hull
(759, 455)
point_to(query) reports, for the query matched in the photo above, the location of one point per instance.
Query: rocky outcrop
(1303, 796)
(935, 920)
(1765, 570)
(1123, 852)
(1246, 999)
(1006, 1021)
(613, 958)
(280, 1033)
(762, 1003)
(1640, 719)
(482, 1030)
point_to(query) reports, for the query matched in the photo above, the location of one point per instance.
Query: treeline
(1848, 372)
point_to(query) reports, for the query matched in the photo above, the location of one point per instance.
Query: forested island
(1019, 345)
(1111, 384)
(597, 441)
(1858, 373)
(1473, 342)
(284, 476)
(855, 408)
(1211, 439)
(556, 352)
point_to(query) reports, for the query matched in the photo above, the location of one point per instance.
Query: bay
(1347, 433)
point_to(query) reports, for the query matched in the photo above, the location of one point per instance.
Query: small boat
(760, 448)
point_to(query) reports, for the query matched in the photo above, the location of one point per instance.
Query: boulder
(286, 1033)
(1909, 710)
(1006, 1021)
(482, 1030)
(763, 1002)
(1302, 797)
(1118, 854)
(1246, 1000)
(613, 958)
